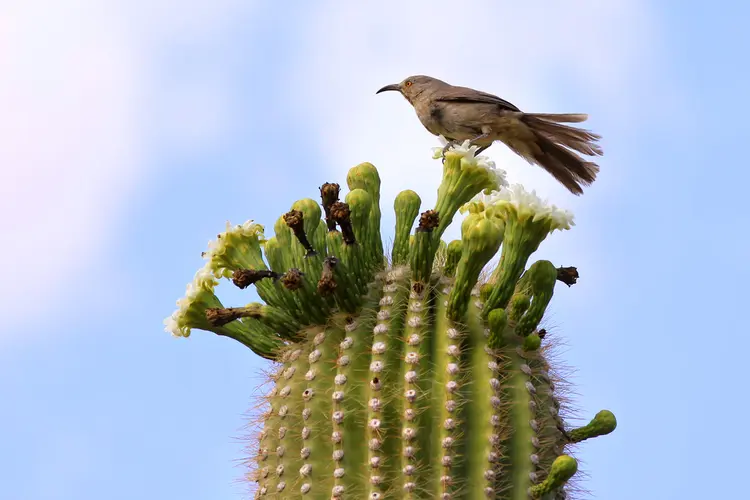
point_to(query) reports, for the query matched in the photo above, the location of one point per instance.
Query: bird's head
(412, 86)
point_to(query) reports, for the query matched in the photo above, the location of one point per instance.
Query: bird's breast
(432, 117)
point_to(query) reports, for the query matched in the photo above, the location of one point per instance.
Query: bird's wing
(464, 94)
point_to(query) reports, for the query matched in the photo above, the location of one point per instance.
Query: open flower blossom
(524, 204)
(467, 152)
(219, 245)
(218, 248)
(177, 323)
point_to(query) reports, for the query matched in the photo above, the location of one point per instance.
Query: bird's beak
(393, 86)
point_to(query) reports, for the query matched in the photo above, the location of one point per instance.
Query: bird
(461, 113)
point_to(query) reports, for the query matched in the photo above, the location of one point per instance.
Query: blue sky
(132, 131)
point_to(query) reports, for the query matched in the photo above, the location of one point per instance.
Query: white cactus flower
(526, 205)
(204, 280)
(467, 152)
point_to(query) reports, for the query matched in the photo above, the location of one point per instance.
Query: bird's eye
(408, 83)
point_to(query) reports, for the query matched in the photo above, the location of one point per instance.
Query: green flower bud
(311, 209)
(406, 206)
(362, 257)
(541, 276)
(360, 203)
(519, 303)
(498, 321)
(283, 233)
(365, 176)
(275, 256)
(603, 423)
(452, 257)
(563, 468)
(532, 342)
(481, 240)
(464, 176)
(484, 291)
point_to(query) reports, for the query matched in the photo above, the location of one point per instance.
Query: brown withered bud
(292, 279)
(220, 317)
(341, 214)
(296, 222)
(243, 278)
(428, 220)
(327, 284)
(329, 194)
(568, 275)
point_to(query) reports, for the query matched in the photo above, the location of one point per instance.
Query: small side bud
(603, 423)
(519, 304)
(498, 320)
(532, 342)
(484, 291)
(563, 468)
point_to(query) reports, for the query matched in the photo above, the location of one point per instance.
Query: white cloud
(520, 51)
(76, 92)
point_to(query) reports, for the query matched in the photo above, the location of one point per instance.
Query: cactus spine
(411, 377)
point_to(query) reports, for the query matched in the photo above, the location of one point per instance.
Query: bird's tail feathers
(552, 147)
(565, 165)
(561, 117)
(578, 139)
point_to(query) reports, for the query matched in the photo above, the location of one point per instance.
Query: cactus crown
(403, 376)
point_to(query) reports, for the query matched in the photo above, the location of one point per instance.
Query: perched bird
(461, 113)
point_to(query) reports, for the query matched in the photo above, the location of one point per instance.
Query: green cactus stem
(482, 238)
(414, 379)
(406, 206)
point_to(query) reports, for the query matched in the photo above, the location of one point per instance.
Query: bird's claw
(446, 148)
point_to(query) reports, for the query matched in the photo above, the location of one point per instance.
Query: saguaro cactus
(415, 376)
